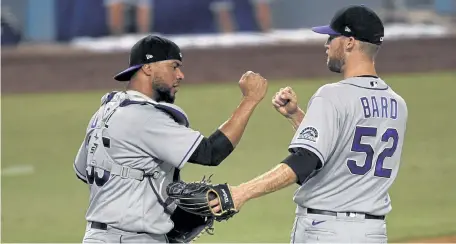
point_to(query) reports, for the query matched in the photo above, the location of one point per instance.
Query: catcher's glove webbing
(188, 227)
(194, 197)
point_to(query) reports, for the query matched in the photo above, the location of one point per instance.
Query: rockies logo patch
(309, 133)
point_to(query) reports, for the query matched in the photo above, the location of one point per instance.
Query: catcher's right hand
(253, 86)
(195, 197)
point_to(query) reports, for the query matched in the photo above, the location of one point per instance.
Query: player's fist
(285, 102)
(253, 86)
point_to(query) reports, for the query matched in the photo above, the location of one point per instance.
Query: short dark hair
(369, 49)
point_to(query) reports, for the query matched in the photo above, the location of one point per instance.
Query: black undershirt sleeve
(303, 162)
(212, 150)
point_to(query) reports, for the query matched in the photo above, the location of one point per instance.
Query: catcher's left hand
(189, 227)
(195, 197)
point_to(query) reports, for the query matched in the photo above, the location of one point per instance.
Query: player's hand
(253, 86)
(285, 101)
(239, 199)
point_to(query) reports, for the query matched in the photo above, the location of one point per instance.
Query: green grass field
(48, 205)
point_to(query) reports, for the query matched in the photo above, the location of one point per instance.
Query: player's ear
(147, 69)
(349, 43)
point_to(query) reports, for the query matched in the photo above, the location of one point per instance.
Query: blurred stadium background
(59, 56)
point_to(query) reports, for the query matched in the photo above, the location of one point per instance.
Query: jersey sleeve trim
(79, 174)
(190, 151)
(81, 179)
(310, 148)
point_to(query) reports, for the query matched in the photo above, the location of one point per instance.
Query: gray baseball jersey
(356, 127)
(122, 143)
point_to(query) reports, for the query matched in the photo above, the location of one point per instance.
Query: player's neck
(140, 87)
(359, 67)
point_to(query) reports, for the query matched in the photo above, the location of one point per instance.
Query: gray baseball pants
(112, 235)
(342, 228)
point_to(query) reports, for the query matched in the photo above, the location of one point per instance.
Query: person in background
(226, 22)
(116, 15)
(263, 14)
(10, 27)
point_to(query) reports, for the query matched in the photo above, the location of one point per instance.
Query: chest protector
(98, 157)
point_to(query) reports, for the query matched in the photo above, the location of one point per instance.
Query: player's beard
(162, 93)
(336, 63)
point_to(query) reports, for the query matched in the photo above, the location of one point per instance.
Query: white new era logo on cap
(347, 29)
(148, 56)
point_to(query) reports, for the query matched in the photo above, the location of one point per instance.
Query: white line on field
(18, 170)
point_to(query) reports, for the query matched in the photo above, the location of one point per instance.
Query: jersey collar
(140, 95)
(367, 82)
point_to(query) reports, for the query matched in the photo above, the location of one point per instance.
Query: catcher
(137, 143)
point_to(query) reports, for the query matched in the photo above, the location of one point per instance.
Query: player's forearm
(278, 178)
(296, 118)
(234, 127)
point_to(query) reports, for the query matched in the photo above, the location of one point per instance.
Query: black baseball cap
(148, 50)
(357, 21)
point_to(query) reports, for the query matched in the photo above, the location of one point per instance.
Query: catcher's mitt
(194, 197)
(188, 227)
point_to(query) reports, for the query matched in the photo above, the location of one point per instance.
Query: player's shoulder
(157, 113)
(332, 93)
(136, 109)
(328, 91)
(396, 95)
(170, 111)
(400, 100)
